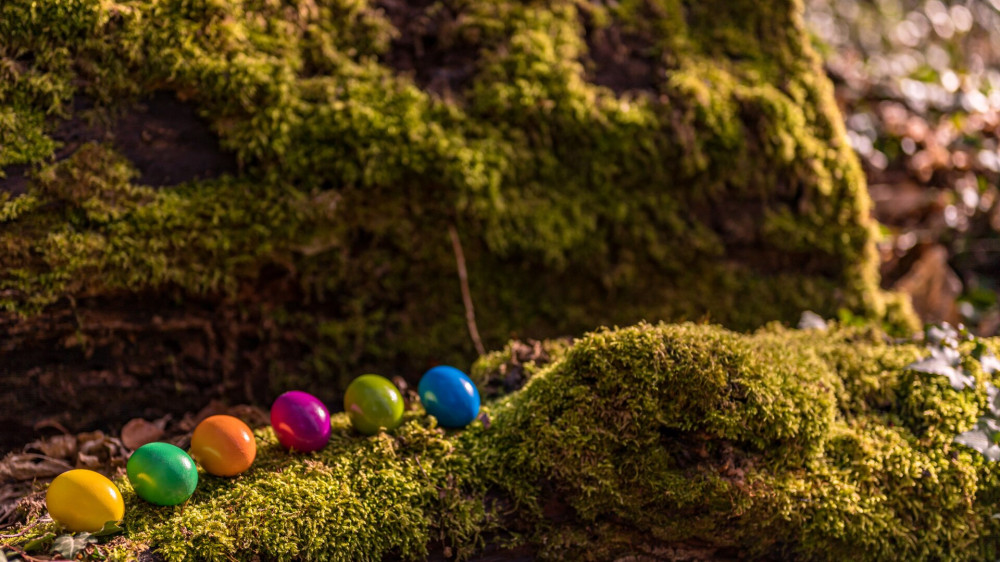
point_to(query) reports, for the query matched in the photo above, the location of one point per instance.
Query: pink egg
(300, 421)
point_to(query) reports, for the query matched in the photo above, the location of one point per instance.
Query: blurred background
(918, 83)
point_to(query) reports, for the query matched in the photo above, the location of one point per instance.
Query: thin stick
(463, 278)
(23, 531)
(24, 555)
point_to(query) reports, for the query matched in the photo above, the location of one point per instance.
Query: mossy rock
(649, 440)
(658, 160)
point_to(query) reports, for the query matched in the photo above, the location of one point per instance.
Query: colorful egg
(373, 403)
(223, 445)
(449, 395)
(162, 474)
(300, 421)
(84, 500)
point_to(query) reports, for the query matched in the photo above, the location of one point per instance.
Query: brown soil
(104, 361)
(441, 56)
(429, 47)
(163, 137)
(620, 60)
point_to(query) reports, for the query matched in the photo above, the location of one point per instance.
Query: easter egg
(223, 445)
(300, 421)
(84, 500)
(449, 395)
(373, 402)
(162, 474)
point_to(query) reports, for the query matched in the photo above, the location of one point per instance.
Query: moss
(577, 205)
(780, 444)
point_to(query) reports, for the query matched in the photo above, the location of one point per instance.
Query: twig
(463, 278)
(24, 555)
(421, 467)
(23, 531)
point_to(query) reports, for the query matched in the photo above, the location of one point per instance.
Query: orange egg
(223, 445)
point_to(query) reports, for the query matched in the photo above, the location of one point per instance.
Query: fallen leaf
(944, 361)
(213, 408)
(57, 446)
(29, 466)
(400, 383)
(990, 363)
(137, 432)
(811, 321)
(251, 415)
(932, 285)
(88, 461)
(980, 441)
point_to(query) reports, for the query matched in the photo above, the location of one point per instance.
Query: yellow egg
(83, 500)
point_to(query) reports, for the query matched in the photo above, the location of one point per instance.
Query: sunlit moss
(725, 190)
(782, 444)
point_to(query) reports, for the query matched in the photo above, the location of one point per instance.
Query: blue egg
(450, 396)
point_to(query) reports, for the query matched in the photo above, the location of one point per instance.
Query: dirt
(163, 137)
(620, 60)
(525, 358)
(440, 55)
(430, 47)
(16, 180)
(104, 361)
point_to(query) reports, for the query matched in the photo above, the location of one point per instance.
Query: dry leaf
(58, 446)
(137, 432)
(933, 286)
(99, 445)
(88, 461)
(213, 408)
(251, 415)
(29, 466)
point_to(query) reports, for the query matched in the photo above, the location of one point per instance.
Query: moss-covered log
(658, 159)
(659, 440)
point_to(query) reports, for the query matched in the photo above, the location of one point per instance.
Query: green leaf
(69, 545)
(38, 542)
(109, 528)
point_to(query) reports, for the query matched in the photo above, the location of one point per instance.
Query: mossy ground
(781, 444)
(722, 188)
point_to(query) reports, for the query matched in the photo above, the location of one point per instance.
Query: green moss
(782, 444)
(723, 191)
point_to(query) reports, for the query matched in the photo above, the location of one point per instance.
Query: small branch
(23, 531)
(463, 278)
(24, 555)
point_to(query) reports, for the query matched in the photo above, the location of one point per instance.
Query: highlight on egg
(83, 501)
(373, 403)
(449, 395)
(162, 474)
(301, 421)
(223, 445)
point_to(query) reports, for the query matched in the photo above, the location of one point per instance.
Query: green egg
(162, 474)
(373, 402)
